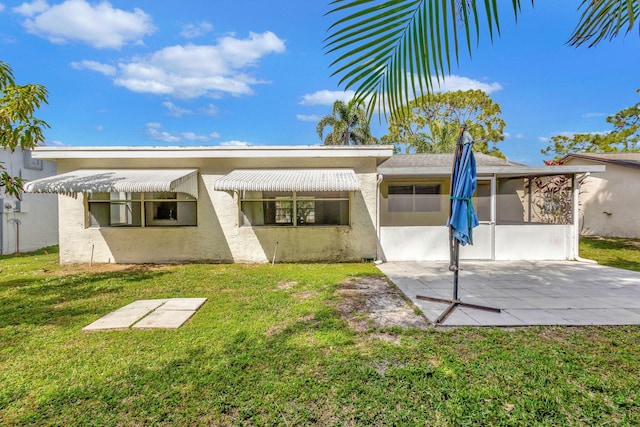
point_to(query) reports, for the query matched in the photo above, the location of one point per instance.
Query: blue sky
(195, 72)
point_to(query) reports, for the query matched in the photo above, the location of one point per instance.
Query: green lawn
(614, 252)
(270, 348)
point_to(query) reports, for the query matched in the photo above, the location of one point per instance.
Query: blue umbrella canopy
(463, 217)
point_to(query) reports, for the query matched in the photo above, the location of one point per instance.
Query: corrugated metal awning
(289, 180)
(118, 180)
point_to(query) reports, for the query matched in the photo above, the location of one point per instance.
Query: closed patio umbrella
(462, 218)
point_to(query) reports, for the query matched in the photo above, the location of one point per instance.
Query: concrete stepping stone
(126, 316)
(164, 319)
(168, 313)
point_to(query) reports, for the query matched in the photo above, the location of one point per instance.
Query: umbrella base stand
(453, 304)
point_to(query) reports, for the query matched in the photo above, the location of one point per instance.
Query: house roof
(631, 160)
(380, 152)
(415, 165)
(438, 160)
(289, 180)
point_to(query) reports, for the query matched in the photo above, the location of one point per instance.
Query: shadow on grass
(49, 250)
(51, 299)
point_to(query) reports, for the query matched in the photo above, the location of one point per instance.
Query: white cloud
(516, 136)
(308, 117)
(154, 132)
(327, 97)
(234, 143)
(174, 110)
(192, 31)
(99, 25)
(31, 9)
(209, 110)
(1, 7)
(590, 115)
(453, 83)
(192, 71)
(107, 70)
(55, 143)
(571, 134)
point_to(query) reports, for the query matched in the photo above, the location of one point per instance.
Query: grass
(270, 348)
(614, 252)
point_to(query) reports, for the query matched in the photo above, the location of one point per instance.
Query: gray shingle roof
(622, 159)
(438, 160)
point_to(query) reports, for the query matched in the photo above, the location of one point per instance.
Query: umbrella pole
(454, 259)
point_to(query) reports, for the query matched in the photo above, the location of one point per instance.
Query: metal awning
(289, 180)
(118, 180)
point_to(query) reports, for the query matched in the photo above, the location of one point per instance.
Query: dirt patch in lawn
(69, 269)
(372, 302)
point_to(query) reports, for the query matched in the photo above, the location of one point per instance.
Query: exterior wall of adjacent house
(32, 222)
(218, 237)
(610, 201)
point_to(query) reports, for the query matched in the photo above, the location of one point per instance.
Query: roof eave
(295, 151)
(499, 171)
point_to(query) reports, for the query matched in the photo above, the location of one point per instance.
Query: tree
(18, 126)
(624, 137)
(431, 123)
(392, 51)
(350, 125)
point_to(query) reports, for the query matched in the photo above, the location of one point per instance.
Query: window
(162, 209)
(414, 198)
(483, 201)
(294, 208)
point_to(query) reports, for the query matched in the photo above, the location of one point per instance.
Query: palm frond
(392, 51)
(604, 19)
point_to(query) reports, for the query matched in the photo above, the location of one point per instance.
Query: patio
(528, 292)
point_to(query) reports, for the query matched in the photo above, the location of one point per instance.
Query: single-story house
(215, 204)
(610, 201)
(31, 222)
(288, 204)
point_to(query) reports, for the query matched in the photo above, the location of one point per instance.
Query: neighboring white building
(30, 223)
(610, 201)
(288, 204)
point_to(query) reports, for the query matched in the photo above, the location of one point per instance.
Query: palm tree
(350, 125)
(393, 50)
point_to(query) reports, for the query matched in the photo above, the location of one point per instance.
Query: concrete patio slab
(528, 293)
(147, 314)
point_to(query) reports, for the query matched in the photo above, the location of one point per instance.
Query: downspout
(576, 219)
(378, 248)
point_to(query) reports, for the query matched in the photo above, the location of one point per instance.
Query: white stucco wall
(610, 201)
(218, 238)
(35, 224)
(533, 242)
(512, 242)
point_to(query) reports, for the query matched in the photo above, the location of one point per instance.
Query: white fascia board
(146, 152)
(499, 171)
